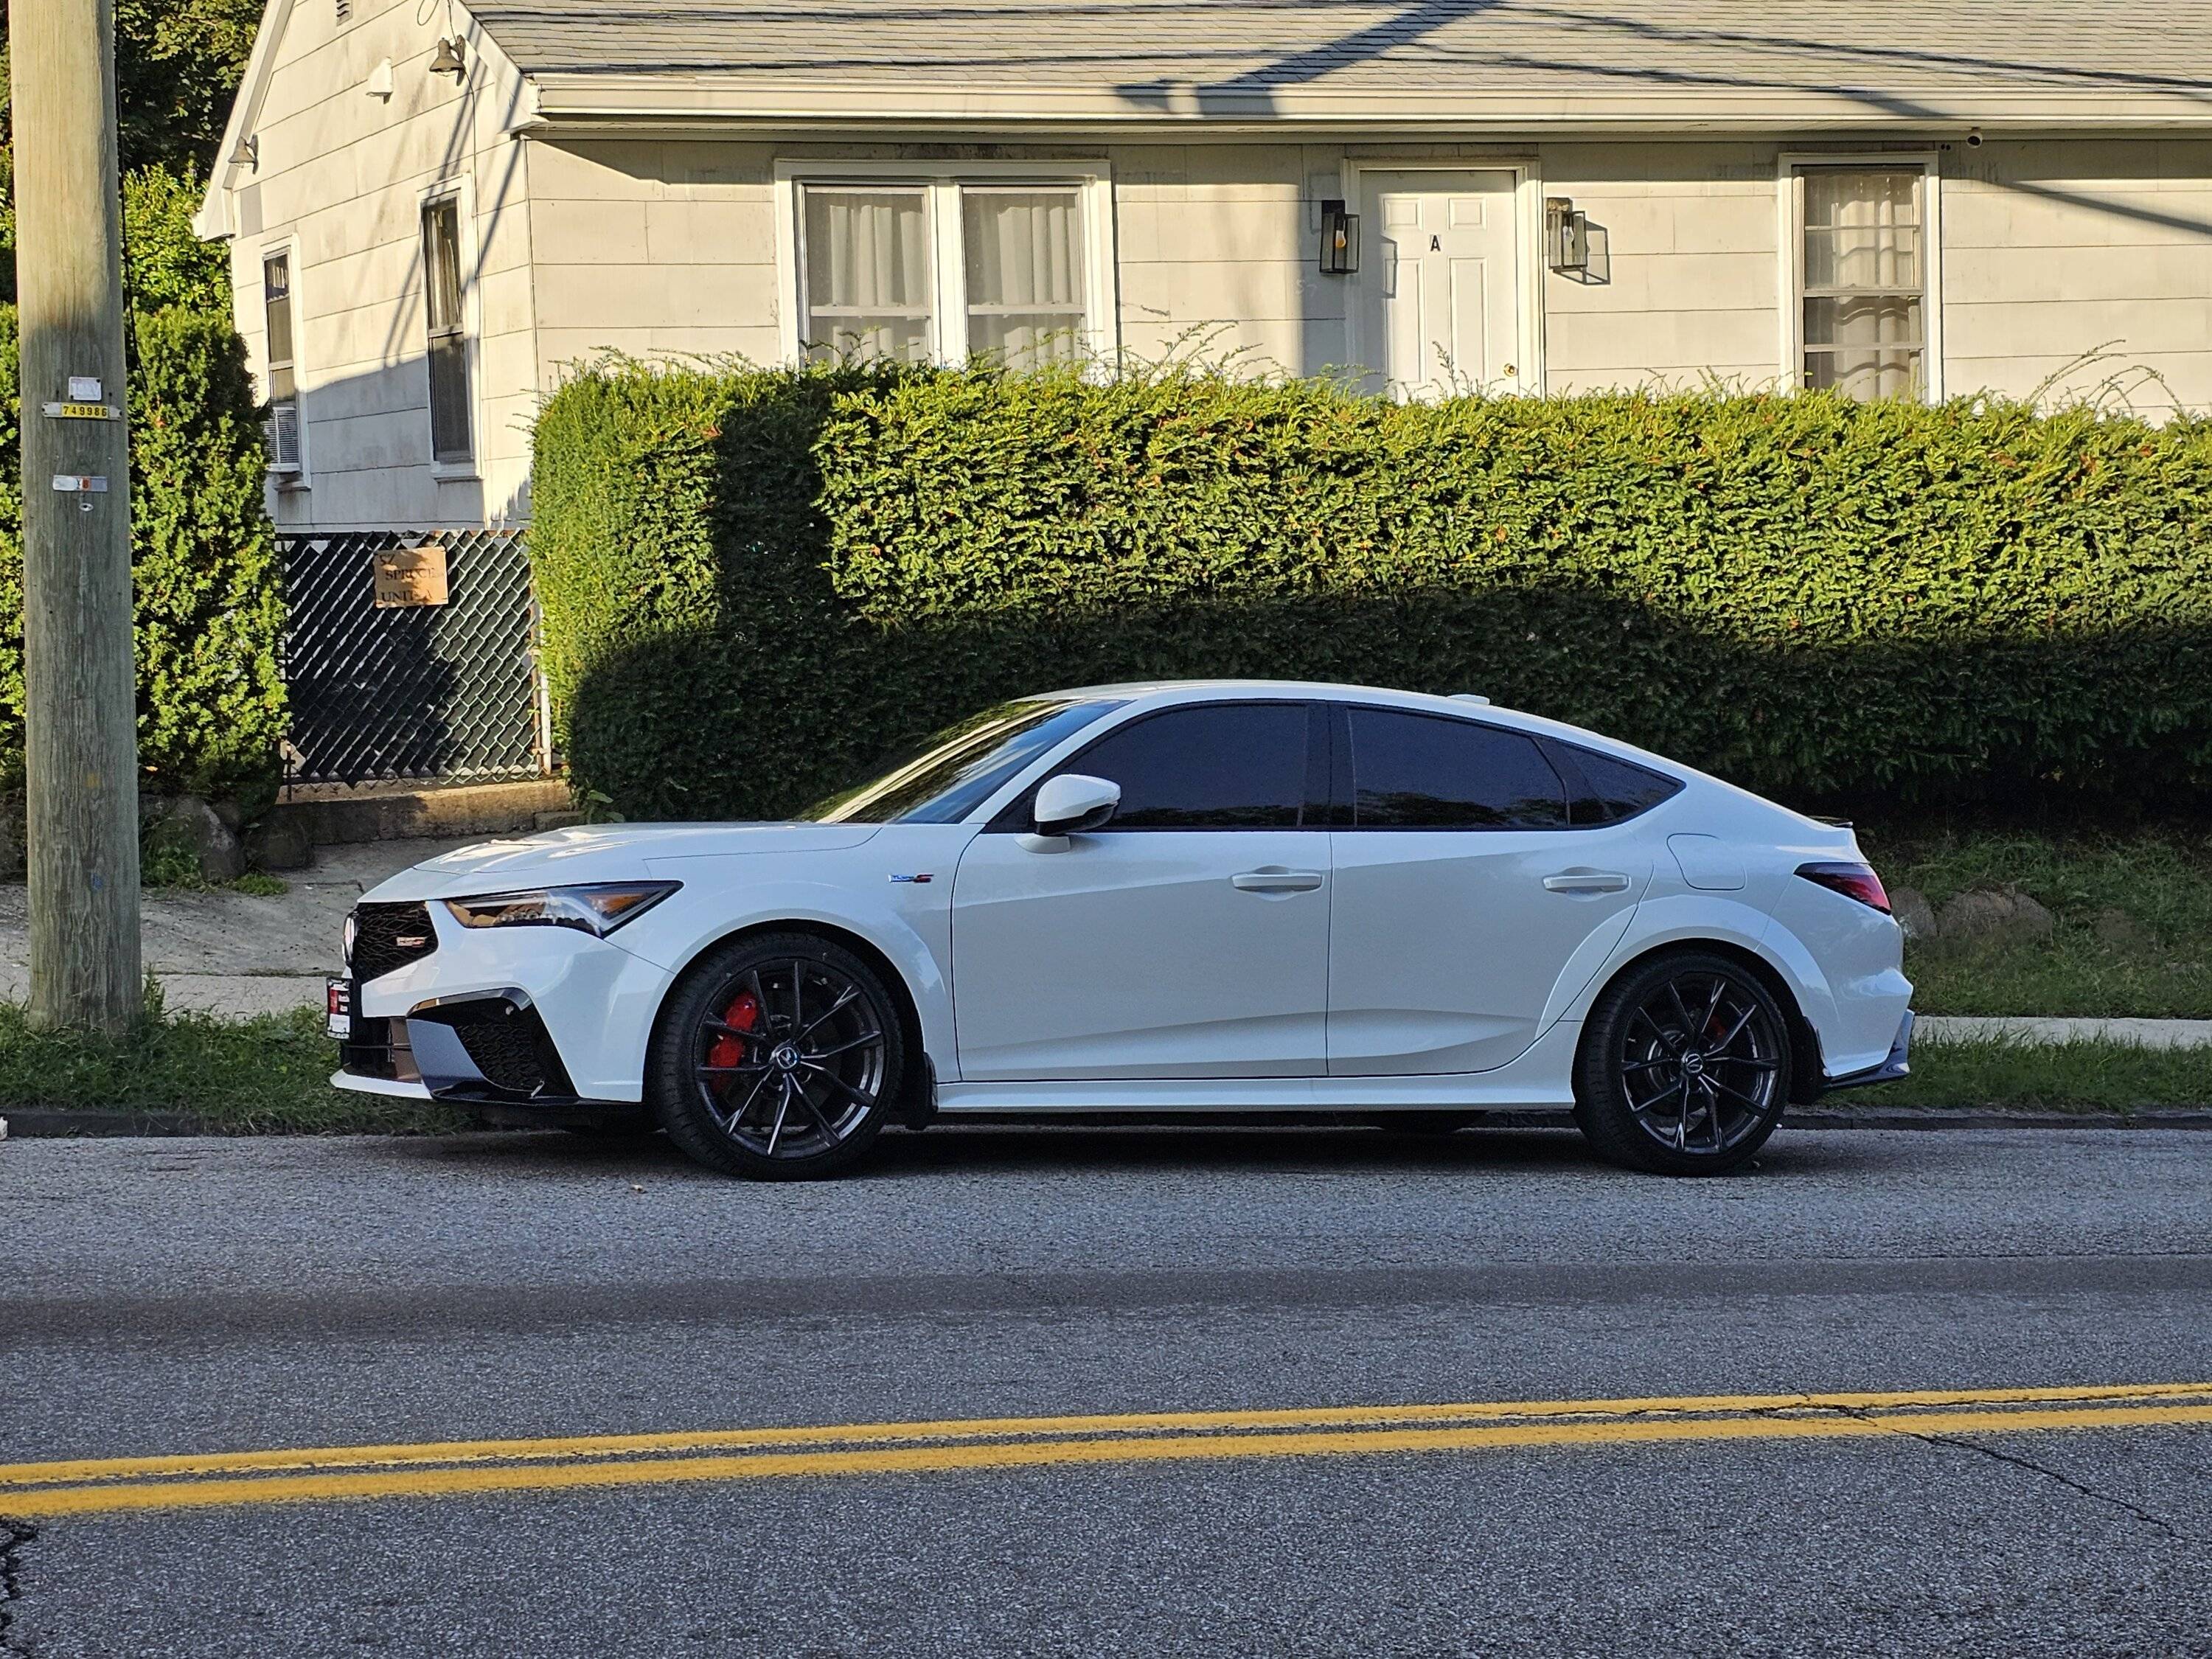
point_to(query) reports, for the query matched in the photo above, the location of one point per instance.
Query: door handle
(1586, 881)
(1276, 881)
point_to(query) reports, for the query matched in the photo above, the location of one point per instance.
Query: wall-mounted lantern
(247, 153)
(452, 58)
(1566, 236)
(1340, 239)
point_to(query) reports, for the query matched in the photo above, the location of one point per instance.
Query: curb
(1992, 1117)
(64, 1122)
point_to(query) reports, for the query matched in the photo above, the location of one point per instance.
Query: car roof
(1132, 690)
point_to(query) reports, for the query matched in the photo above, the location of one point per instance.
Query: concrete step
(335, 814)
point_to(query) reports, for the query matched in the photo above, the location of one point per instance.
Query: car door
(1461, 893)
(1188, 938)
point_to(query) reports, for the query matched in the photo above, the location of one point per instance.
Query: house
(434, 206)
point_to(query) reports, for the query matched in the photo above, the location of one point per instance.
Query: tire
(1684, 1067)
(746, 1085)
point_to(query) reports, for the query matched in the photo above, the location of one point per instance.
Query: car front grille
(387, 937)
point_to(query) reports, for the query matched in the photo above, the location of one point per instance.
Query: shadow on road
(1110, 1149)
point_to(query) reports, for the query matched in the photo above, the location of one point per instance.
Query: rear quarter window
(1601, 789)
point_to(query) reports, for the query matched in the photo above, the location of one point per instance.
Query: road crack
(13, 1535)
(2014, 1461)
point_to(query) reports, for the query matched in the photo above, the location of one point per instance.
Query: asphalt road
(196, 1296)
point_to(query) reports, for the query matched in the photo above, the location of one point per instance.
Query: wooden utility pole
(79, 692)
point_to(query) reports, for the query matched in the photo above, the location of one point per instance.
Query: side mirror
(1071, 804)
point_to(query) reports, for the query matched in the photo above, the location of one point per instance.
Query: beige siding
(340, 178)
(1683, 282)
(1217, 245)
(661, 248)
(2081, 268)
(654, 250)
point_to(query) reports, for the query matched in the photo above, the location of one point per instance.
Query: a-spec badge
(923, 879)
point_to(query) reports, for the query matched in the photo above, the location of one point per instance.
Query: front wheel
(778, 1057)
(1684, 1067)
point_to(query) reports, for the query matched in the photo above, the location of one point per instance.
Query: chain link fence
(415, 690)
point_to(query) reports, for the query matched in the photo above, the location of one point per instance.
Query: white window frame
(458, 191)
(1790, 201)
(1529, 269)
(942, 182)
(294, 476)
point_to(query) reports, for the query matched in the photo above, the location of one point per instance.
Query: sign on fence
(411, 655)
(410, 575)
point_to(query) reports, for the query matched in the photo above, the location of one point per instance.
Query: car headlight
(598, 908)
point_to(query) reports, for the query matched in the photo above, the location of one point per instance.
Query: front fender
(909, 926)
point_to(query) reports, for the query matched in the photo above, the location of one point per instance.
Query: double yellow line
(204, 1479)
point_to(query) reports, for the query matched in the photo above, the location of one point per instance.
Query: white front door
(1186, 938)
(1441, 293)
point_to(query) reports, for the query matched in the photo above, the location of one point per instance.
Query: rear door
(1186, 938)
(1461, 892)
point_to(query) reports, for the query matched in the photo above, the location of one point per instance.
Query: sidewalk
(233, 954)
(2138, 1033)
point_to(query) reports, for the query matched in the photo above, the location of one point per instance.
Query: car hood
(614, 852)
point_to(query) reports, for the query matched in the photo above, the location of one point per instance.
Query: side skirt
(1541, 1076)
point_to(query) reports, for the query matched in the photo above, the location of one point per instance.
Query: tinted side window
(1604, 790)
(1220, 766)
(1428, 772)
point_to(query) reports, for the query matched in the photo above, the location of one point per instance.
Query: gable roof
(1462, 63)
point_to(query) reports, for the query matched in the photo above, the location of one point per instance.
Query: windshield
(943, 779)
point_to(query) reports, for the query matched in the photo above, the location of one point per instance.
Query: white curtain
(867, 273)
(1024, 272)
(1865, 282)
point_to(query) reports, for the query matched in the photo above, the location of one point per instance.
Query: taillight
(1853, 881)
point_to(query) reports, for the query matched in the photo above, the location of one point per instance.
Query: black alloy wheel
(779, 1057)
(1685, 1065)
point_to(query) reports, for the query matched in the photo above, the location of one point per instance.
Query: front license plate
(339, 1002)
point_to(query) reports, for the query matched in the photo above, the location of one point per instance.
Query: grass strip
(2132, 918)
(267, 1075)
(2091, 1075)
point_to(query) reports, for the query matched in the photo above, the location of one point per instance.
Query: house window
(868, 284)
(283, 391)
(448, 342)
(1021, 262)
(946, 271)
(1863, 280)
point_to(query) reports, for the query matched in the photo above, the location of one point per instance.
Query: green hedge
(754, 581)
(207, 583)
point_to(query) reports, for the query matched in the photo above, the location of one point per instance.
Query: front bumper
(1898, 1065)
(539, 1017)
(492, 1049)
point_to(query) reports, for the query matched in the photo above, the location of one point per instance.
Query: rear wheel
(1684, 1067)
(778, 1057)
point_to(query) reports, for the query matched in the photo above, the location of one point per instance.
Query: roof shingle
(1884, 51)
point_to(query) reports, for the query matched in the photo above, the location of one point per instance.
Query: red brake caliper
(745, 1014)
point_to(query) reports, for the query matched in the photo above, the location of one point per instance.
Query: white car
(1207, 896)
